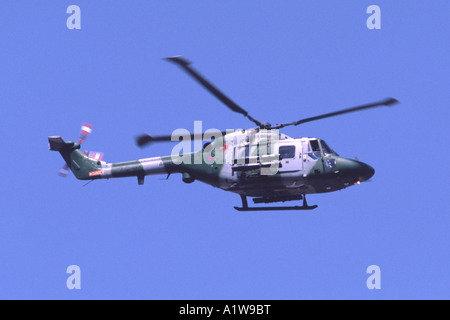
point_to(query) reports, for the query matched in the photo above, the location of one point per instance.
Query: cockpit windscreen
(326, 149)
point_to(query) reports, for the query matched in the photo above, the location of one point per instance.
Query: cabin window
(287, 152)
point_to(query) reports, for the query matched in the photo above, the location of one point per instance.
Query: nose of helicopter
(362, 170)
(356, 171)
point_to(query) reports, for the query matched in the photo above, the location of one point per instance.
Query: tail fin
(80, 164)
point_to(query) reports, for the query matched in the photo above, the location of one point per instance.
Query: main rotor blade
(385, 102)
(208, 85)
(145, 139)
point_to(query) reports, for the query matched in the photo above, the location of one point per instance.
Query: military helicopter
(259, 162)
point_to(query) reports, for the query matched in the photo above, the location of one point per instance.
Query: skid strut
(245, 206)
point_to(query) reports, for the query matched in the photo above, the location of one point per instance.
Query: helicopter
(260, 162)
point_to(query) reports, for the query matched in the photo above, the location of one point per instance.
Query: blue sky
(282, 61)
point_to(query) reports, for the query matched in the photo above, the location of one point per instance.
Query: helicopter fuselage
(287, 169)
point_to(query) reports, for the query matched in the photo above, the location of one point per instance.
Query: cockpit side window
(315, 145)
(287, 152)
(314, 150)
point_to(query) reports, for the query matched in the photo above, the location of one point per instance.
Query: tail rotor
(86, 130)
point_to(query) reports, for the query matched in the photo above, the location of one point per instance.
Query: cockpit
(318, 147)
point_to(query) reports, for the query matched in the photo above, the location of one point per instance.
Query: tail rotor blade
(95, 155)
(86, 130)
(64, 171)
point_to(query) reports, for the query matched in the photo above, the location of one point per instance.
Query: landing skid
(276, 208)
(245, 206)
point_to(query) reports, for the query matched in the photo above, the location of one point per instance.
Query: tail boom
(86, 168)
